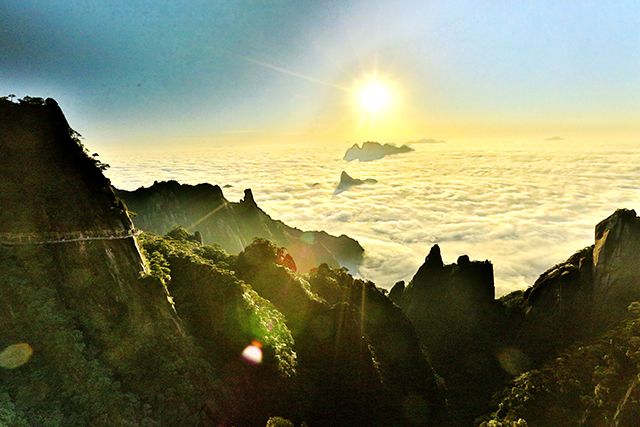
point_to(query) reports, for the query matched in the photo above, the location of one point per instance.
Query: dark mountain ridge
(233, 226)
(74, 289)
(478, 343)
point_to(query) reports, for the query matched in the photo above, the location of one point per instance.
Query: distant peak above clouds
(554, 138)
(346, 182)
(371, 150)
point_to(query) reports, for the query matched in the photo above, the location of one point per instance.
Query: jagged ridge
(233, 226)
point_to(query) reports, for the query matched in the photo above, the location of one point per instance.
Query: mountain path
(45, 238)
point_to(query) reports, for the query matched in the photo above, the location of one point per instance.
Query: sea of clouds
(525, 207)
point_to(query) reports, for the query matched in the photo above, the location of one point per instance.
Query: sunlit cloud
(522, 209)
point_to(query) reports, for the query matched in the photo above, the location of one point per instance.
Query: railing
(52, 237)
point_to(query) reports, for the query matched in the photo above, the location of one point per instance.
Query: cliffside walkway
(46, 238)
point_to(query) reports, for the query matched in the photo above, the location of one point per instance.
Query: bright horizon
(150, 76)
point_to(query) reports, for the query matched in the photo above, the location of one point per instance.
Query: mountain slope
(233, 226)
(99, 330)
(479, 344)
(72, 290)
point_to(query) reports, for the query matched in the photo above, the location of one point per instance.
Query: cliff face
(412, 389)
(616, 259)
(589, 292)
(53, 193)
(233, 226)
(49, 184)
(72, 291)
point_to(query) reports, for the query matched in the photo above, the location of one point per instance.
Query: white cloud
(524, 209)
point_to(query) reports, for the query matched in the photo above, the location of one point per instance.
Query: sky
(154, 74)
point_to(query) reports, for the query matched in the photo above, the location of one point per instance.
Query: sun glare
(374, 96)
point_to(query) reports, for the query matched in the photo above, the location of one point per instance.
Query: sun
(373, 96)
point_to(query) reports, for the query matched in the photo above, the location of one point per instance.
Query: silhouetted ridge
(477, 343)
(233, 226)
(453, 309)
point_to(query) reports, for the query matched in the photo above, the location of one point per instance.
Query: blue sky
(151, 73)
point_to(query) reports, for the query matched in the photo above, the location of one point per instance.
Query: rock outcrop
(616, 260)
(453, 309)
(233, 226)
(477, 343)
(373, 151)
(587, 293)
(346, 182)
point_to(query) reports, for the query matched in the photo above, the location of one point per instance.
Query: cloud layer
(524, 208)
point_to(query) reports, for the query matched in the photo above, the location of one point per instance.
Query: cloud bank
(525, 208)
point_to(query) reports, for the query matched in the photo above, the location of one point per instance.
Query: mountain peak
(434, 258)
(248, 198)
(372, 150)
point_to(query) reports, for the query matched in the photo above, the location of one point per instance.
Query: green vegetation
(587, 384)
(71, 379)
(256, 318)
(233, 225)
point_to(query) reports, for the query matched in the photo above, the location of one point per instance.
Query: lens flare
(513, 361)
(15, 355)
(252, 353)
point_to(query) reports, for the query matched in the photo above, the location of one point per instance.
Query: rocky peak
(395, 294)
(347, 181)
(616, 258)
(588, 291)
(437, 284)
(248, 198)
(452, 307)
(612, 236)
(434, 259)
